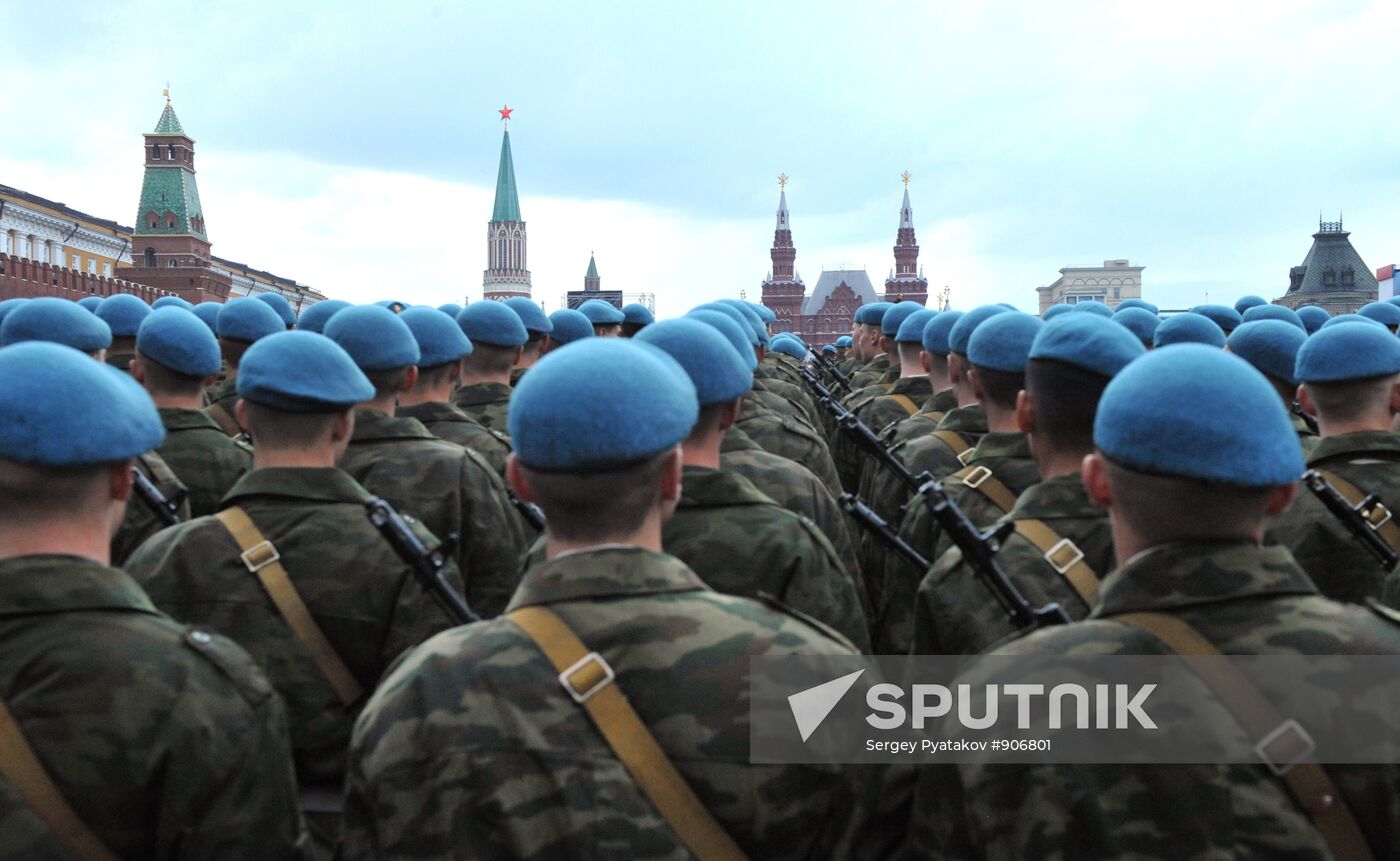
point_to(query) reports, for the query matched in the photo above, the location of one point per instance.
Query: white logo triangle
(810, 707)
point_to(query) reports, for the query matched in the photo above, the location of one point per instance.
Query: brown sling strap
(1306, 780)
(262, 559)
(980, 479)
(957, 442)
(1064, 556)
(906, 403)
(224, 419)
(22, 769)
(1378, 516)
(589, 680)
(934, 416)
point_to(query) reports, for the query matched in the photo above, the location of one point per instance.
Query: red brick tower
(906, 281)
(783, 290)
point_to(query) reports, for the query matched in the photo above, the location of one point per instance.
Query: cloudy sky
(353, 146)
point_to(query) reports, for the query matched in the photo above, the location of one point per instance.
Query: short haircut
(162, 380)
(909, 352)
(708, 421)
(594, 506)
(31, 493)
(436, 375)
(534, 343)
(1065, 398)
(122, 344)
(607, 330)
(1000, 388)
(1352, 399)
(232, 350)
(276, 428)
(489, 359)
(1163, 509)
(388, 381)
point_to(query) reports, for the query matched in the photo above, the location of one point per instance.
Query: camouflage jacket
(874, 370)
(167, 741)
(139, 522)
(361, 594)
(789, 438)
(470, 749)
(1246, 600)
(955, 614)
(488, 403)
(794, 393)
(780, 405)
(848, 366)
(885, 410)
(783, 554)
(872, 405)
(1342, 569)
(451, 490)
(204, 458)
(445, 421)
(926, 420)
(874, 478)
(1008, 456)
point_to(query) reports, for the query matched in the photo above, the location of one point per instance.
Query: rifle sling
(1306, 780)
(261, 558)
(1064, 556)
(1379, 518)
(224, 418)
(906, 403)
(980, 479)
(23, 770)
(957, 443)
(588, 679)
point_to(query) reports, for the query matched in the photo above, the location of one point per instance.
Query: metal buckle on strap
(259, 556)
(1064, 548)
(965, 455)
(978, 475)
(591, 662)
(1376, 514)
(1288, 745)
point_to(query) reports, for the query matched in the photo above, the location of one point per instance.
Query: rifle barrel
(426, 564)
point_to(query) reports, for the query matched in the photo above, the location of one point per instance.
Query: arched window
(152, 220)
(150, 258)
(155, 151)
(172, 263)
(172, 151)
(501, 253)
(170, 220)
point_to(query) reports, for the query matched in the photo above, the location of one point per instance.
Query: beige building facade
(1110, 284)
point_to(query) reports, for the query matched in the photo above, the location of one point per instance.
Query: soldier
(123, 313)
(498, 340)
(906, 397)
(1272, 346)
(176, 357)
(569, 326)
(1140, 321)
(1062, 546)
(934, 359)
(142, 738)
(314, 319)
(1385, 313)
(171, 301)
(442, 346)
(472, 747)
(1313, 317)
(784, 554)
(1244, 303)
(1188, 494)
(1349, 376)
(771, 395)
(635, 318)
(241, 322)
(537, 328)
(208, 313)
(606, 319)
(845, 359)
(279, 304)
(866, 335)
(291, 568)
(1189, 328)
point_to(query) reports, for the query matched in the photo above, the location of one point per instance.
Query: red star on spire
(505, 112)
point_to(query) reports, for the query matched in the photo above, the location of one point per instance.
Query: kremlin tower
(506, 248)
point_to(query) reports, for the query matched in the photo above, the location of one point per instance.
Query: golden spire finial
(166, 92)
(782, 181)
(905, 176)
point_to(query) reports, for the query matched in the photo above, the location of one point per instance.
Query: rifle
(529, 511)
(167, 510)
(1307, 419)
(832, 371)
(851, 504)
(426, 564)
(860, 432)
(1356, 518)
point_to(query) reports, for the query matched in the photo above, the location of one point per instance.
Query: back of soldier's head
(1349, 371)
(295, 386)
(242, 322)
(176, 352)
(998, 350)
(1071, 361)
(378, 342)
(497, 332)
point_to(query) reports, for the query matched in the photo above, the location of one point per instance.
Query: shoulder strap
(1378, 516)
(1064, 556)
(933, 415)
(262, 559)
(980, 479)
(957, 442)
(22, 769)
(224, 419)
(906, 403)
(588, 679)
(1306, 780)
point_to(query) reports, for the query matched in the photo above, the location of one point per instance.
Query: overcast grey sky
(353, 146)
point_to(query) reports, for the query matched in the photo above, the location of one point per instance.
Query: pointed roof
(169, 124)
(906, 213)
(507, 203)
(592, 268)
(1332, 252)
(783, 223)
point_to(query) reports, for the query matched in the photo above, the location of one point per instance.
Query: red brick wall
(24, 278)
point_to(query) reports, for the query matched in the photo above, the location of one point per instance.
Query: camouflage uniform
(848, 366)
(445, 421)
(1337, 562)
(204, 458)
(778, 404)
(873, 371)
(884, 411)
(166, 741)
(873, 406)
(488, 403)
(138, 521)
(470, 749)
(1246, 600)
(791, 388)
(789, 438)
(955, 614)
(451, 490)
(779, 553)
(926, 420)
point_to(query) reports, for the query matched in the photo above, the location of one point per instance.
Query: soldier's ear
(137, 369)
(1305, 401)
(1280, 499)
(515, 477)
(120, 480)
(671, 476)
(924, 362)
(410, 379)
(1395, 397)
(1025, 413)
(1094, 473)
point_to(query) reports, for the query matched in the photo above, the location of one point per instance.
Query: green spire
(169, 123)
(592, 267)
(507, 203)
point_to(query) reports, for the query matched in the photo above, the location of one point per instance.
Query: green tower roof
(169, 124)
(592, 267)
(507, 203)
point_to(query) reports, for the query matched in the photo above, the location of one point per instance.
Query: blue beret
(600, 313)
(1343, 319)
(314, 319)
(375, 337)
(1270, 345)
(895, 316)
(1189, 328)
(733, 313)
(600, 404)
(393, 305)
(166, 301)
(1137, 303)
(912, 329)
(277, 302)
(1056, 310)
(180, 341)
(716, 369)
(734, 332)
(247, 319)
(452, 309)
(1003, 342)
(124, 313)
(569, 326)
(766, 314)
(440, 339)
(1088, 341)
(1274, 312)
(1382, 312)
(9, 305)
(1234, 429)
(1313, 317)
(1349, 351)
(789, 346)
(60, 408)
(937, 330)
(1140, 321)
(1244, 303)
(302, 372)
(829, 348)
(89, 303)
(1394, 300)
(209, 313)
(965, 325)
(58, 320)
(755, 322)
(1093, 306)
(844, 341)
(1224, 316)
(493, 323)
(640, 315)
(872, 314)
(533, 316)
